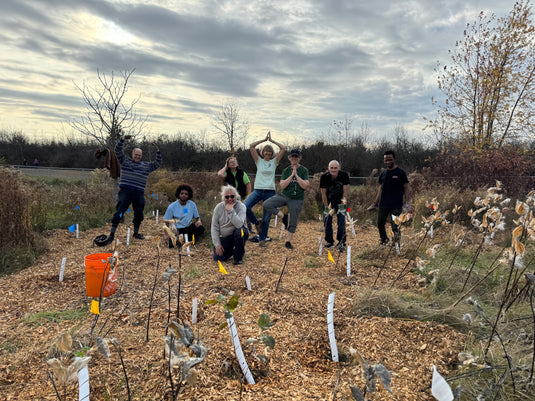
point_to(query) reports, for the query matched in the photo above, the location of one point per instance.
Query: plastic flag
(72, 228)
(153, 195)
(242, 232)
(77, 207)
(440, 388)
(94, 307)
(128, 211)
(221, 268)
(193, 239)
(330, 257)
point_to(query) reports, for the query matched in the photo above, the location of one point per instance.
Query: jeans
(271, 206)
(233, 245)
(129, 196)
(341, 230)
(382, 216)
(254, 197)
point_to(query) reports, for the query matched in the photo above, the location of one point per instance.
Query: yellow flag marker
(94, 307)
(193, 239)
(221, 268)
(330, 257)
(242, 232)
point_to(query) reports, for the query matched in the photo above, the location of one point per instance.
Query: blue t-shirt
(392, 182)
(185, 213)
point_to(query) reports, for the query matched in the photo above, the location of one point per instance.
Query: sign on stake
(330, 327)
(248, 282)
(128, 236)
(282, 231)
(238, 350)
(320, 247)
(276, 217)
(157, 211)
(62, 269)
(187, 240)
(77, 230)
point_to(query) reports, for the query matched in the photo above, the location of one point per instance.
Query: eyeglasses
(230, 196)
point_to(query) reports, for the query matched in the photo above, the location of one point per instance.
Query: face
(389, 161)
(233, 163)
(136, 155)
(334, 168)
(294, 159)
(184, 196)
(267, 154)
(230, 198)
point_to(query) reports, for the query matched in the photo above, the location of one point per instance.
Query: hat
(295, 152)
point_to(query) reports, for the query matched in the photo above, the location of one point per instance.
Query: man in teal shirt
(294, 182)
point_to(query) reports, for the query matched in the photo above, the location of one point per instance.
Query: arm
(221, 173)
(406, 194)
(248, 188)
(378, 196)
(239, 215)
(324, 197)
(281, 151)
(119, 150)
(252, 149)
(215, 228)
(346, 191)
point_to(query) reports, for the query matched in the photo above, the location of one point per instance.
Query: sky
(291, 66)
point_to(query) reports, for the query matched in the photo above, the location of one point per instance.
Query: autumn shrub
(473, 168)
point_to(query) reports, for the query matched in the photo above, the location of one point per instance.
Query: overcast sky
(293, 66)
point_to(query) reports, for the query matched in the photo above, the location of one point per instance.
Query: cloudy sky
(292, 66)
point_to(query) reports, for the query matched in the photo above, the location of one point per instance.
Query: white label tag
(276, 217)
(248, 282)
(194, 311)
(83, 384)
(349, 260)
(62, 269)
(77, 230)
(238, 351)
(128, 236)
(157, 212)
(320, 247)
(330, 327)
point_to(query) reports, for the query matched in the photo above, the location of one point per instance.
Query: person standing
(234, 176)
(392, 195)
(294, 182)
(134, 174)
(229, 233)
(334, 186)
(184, 215)
(264, 184)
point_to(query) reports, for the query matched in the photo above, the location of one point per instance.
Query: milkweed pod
(517, 232)
(470, 213)
(521, 208)
(389, 232)
(519, 247)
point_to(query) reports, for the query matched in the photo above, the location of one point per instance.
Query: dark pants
(340, 232)
(129, 196)
(191, 230)
(233, 245)
(382, 216)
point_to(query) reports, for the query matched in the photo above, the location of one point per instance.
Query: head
(232, 163)
(294, 156)
(137, 154)
(334, 168)
(184, 193)
(267, 152)
(390, 159)
(229, 194)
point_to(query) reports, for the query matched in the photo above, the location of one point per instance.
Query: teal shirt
(265, 174)
(294, 190)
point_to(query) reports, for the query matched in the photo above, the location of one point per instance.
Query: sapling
(369, 372)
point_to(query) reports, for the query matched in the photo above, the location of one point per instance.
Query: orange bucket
(99, 275)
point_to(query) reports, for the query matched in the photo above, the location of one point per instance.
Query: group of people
(233, 218)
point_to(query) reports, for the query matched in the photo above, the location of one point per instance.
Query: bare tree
(108, 115)
(229, 121)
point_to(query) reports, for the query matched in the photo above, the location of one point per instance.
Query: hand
(230, 204)
(219, 250)
(268, 137)
(127, 137)
(198, 223)
(154, 144)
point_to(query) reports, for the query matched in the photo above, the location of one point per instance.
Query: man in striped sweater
(134, 174)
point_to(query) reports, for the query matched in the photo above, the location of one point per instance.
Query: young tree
(489, 84)
(229, 122)
(109, 115)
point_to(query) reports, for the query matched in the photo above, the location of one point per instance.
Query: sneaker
(238, 262)
(289, 245)
(138, 236)
(268, 239)
(262, 243)
(285, 221)
(258, 227)
(384, 243)
(254, 238)
(328, 245)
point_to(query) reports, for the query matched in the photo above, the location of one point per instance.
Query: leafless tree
(108, 114)
(229, 121)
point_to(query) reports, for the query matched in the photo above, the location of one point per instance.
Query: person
(184, 215)
(36, 162)
(294, 182)
(392, 195)
(134, 174)
(264, 184)
(229, 232)
(236, 177)
(334, 186)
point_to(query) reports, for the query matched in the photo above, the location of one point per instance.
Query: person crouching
(229, 230)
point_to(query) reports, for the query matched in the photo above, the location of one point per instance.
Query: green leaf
(269, 341)
(233, 303)
(223, 325)
(263, 322)
(211, 302)
(221, 298)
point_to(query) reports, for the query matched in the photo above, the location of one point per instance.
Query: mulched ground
(299, 368)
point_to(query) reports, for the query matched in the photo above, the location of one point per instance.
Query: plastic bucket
(99, 275)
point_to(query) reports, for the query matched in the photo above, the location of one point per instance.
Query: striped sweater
(134, 175)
